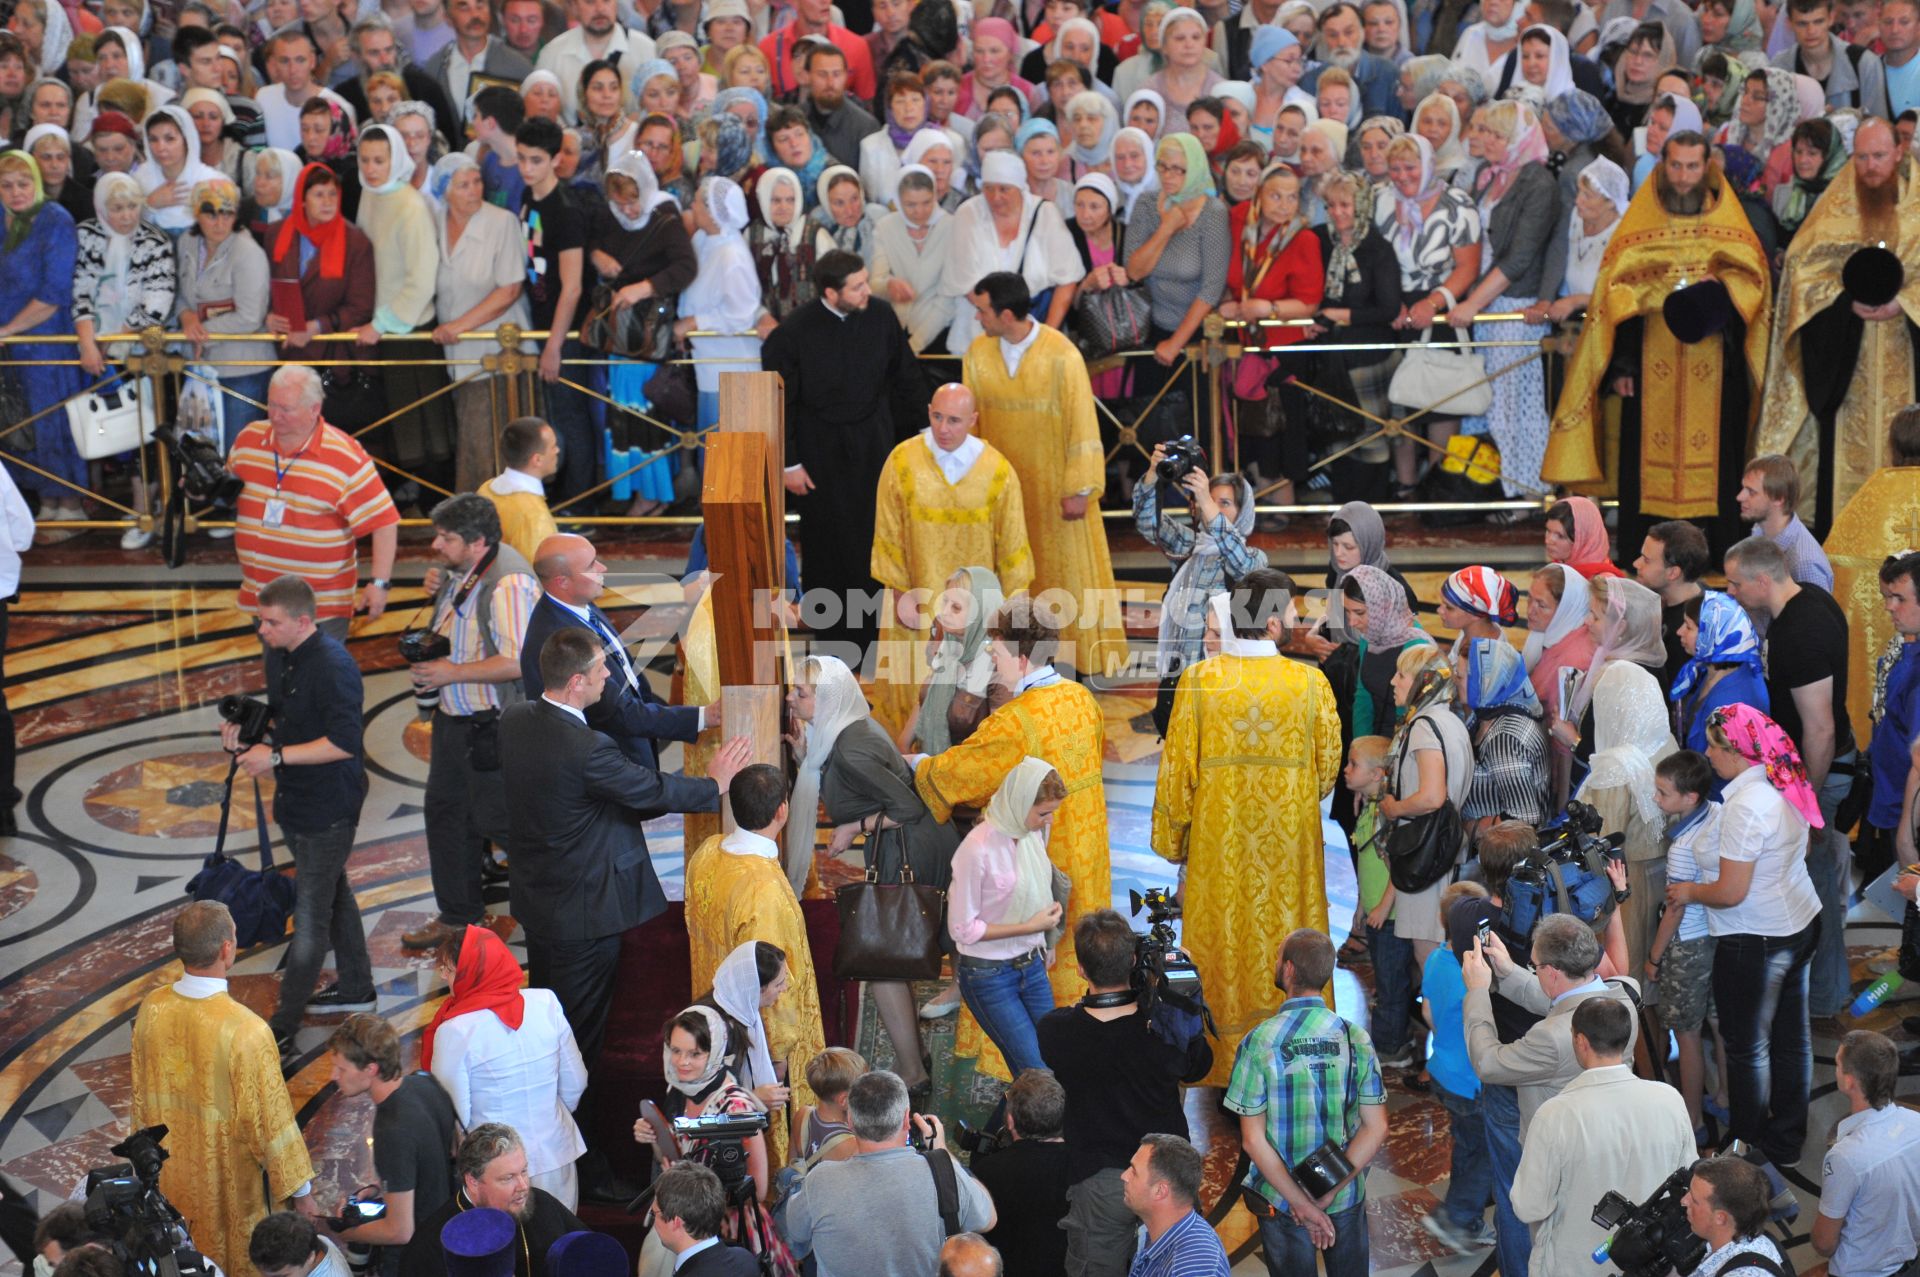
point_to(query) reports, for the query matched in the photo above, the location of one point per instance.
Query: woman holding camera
(1765, 917)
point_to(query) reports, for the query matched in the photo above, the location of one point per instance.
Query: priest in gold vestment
(738, 893)
(1036, 406)
(206, 1068)
(1055, 720)
(947, 500)
(1252, 748)
(1839, 368)
(1882, 519)
(1685, 408)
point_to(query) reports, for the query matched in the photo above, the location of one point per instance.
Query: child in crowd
(1460, 1223)
(1680, 960)
(830, 1075)
(1392, 957)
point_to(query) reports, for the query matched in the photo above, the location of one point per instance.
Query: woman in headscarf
(1599, 202)
(1757, 142)
(1438, 121)
(328, 136)
(1179, 245)
(1275, 273)
(1323, 149)
(1579, 131)
(843, 212)
(1465, 86)
(746, 983)
(270, 175)
(1546, 64)
(1277, 62)
(505, 1053)
(44, 28)
(1101, 237)
(331, 259)
(1431, 763)
(1371, 140)
(660, 136)
(682, 52)
(996, 48)
(1763, 912)
(1648, 52)
(882, 153)
(1002, 914)
(1435, 232)
(1731, 28)
(1558, 640)
(1007, 227)
(1038, 145)
(211, 116)
(1523, 255)
(724, 296)
(1478, 602)
(172, 169)
(909, 260)
(656, 89)
(936, 151)
(1671, 114)
(1146, 61)
(221, 277)
(1188, 73)
(37, 255)
(1576, 535)
(49, 101)
(1509, 746)
(54, 152)
(1723, 666)
(728, 143)
(1146, 111)
(1356, 537)
(962, 688)
(1819, 153)
(1623, 619)
(848, 762)
(750, 105)
(606, 128)
(1091, 124)
(785, 243)
(479, 283)
(697, 1047)
(1722, 79)
(1133, 174)
(1374, 620)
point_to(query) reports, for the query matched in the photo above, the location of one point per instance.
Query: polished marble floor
(113, 667)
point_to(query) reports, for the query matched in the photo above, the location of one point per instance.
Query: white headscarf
(114, 288)
(1560, 63)
(928, 138)
(136, 51)
(1071, 24)
(728, 204)
(1630, 735)
(1007, 812)
(838, 703)
(39, 131)
(289, 174)
(1000, 168)
(401, 172)
(176, 216)
(1569, 615)
(1584, 251)
(1102, 151)
(636, 166)
(927, 173)
(1130, 192)
(59, 34)
(716, 1055)
(763, 194)
(1104, 185)
(736, 987)
(1148, 95)
(440, 177)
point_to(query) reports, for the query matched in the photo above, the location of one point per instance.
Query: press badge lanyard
(275, 513)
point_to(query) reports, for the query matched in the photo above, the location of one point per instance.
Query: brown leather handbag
(890, 931)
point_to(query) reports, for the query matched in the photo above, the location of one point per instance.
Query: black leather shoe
(492, 871)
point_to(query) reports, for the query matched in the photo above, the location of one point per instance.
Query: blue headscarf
(1266, 43)
(1579, 116)
(726, 98)
(1030, 130)
(1726, 637)
(733, 148)
(1497, 677)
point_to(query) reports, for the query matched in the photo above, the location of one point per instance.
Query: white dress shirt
(529, 1078)
(511, 480)
(1014, 351)
(577, 713)
(954, 465)
(744, 842)
(566, 55)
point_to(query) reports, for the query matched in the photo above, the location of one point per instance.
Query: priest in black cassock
(850, 377)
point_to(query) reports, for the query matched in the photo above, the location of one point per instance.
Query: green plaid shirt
(1309, 1072)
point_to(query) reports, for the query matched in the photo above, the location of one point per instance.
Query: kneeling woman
(1002, 913)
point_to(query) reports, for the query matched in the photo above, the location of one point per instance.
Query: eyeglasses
(1164, 167)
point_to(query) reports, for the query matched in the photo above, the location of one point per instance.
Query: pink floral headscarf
(1759, 739)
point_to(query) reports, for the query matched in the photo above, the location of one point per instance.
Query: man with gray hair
(310, 494)
(482, 599)
(375, 48)
(492, 1168)
(878, 1214)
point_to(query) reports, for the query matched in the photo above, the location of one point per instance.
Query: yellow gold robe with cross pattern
(1882, 518)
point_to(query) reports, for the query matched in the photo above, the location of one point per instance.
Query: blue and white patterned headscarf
(1726, 638)
(1497, 679)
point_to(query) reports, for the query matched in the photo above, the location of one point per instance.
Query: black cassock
(854, 390)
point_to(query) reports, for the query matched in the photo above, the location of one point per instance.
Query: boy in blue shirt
(1460, 1223)
(1680, 959)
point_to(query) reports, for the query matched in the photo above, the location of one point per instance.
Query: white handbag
(114, 420)
(1446, 383)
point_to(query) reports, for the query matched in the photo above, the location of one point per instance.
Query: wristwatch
(275, 758)
(379, 583)
(1620, 896)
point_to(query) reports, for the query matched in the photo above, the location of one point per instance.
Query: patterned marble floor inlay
(113, 685)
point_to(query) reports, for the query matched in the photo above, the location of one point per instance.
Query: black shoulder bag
(1421, 850)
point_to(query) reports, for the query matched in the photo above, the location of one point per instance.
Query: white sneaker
(943, 1005)
(135, 539)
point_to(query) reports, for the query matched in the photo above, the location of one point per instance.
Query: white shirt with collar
(1040, 676)
(567, 54)
(680, 1260)
(954, 465)
(1012, 352)
(562, 705)
(510, 480)
(744, 842)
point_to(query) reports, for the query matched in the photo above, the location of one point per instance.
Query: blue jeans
(1009, 1001)
(1831, 983)
(1512, 1239)
(1470, 1176)
(236, 413)
(1290, 1253)
(1392, 960)
(1760, 991)
(325, 915)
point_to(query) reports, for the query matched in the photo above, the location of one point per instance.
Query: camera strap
(259, 819)
(1118, 998)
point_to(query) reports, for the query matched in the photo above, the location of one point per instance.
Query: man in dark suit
(474, 50)
(572, 577)
(581, 874)
(688, 1205)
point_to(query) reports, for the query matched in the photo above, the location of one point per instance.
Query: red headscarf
(486, 979)
(330, 238)
(1591, 556)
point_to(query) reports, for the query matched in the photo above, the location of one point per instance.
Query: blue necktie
(616, 654)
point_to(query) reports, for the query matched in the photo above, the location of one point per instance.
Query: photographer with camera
(1208, 551)
(1123, 1083)
(1726, 1206)
(1024, 1168)
(314, 750)
(879, 1213)
(309, 493)
(482, 599)
(1607, 1131)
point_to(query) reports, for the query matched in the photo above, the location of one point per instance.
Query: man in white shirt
(595, 35)
(473, 49)
(1869, 1220)
(532, 453)
(291, 57)
(1607, 1130)
(1899, 41)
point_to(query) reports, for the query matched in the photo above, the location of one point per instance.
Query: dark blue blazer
(722, 1261)
(634, 721)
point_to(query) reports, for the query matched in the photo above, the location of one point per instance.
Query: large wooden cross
(745, 508)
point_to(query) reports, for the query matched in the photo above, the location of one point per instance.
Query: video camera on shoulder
(1652, 1238)
(1164, 977)
(1566, 874)
(124, 1206)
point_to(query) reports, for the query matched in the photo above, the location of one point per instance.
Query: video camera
(1652, 1238)
(1566, 874)
(1578, 835)
(125, 1208)
(251, 716)
(1164, 974)
(200, 469)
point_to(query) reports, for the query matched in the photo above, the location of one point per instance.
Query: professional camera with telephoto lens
(1652, 1238)
(1164, 977)
(1567, 873)
(991, 1140)
(200, 469)
(1181, 457)
(251, 716)
(417, 647)
(125, 1207)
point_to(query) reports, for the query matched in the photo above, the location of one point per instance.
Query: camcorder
(1567, 873)
(356, 1211)
(1652, 1238)
(723, 1150)
(1183, 456)
(417, 647)
(1164, 977)
(125, 1209)
(199, 468)
(250, 715)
